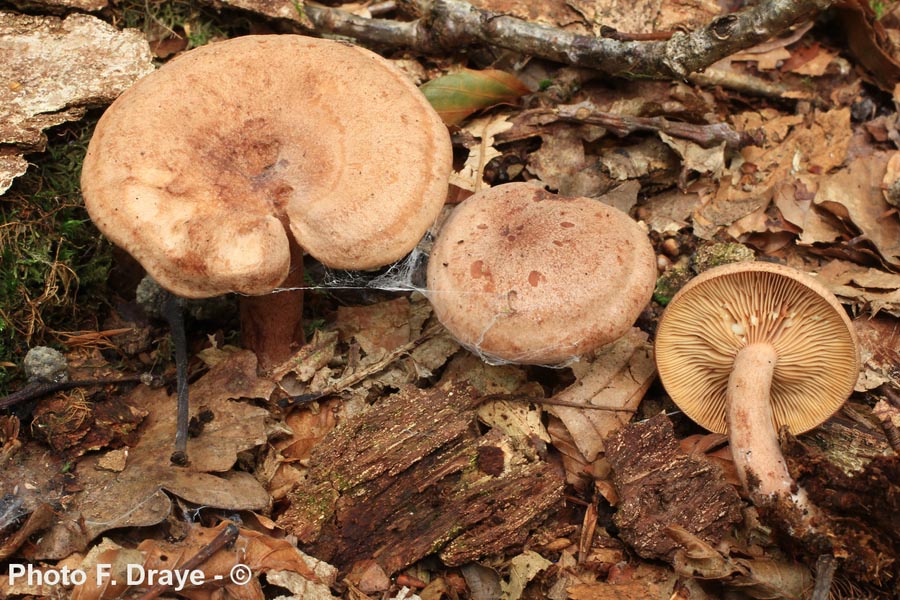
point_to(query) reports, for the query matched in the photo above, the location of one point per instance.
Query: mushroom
(521, 275)
(217, 171)
(748, 348)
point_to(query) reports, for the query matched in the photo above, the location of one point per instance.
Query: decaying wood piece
(661, 486)
(413, 476)
(862, 510)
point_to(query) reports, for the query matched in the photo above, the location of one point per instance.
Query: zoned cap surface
(522, 275)
(203, 168)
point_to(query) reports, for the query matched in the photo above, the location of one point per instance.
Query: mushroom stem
(272, 324)
(754, 440)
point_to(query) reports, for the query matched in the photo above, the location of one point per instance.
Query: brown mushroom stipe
(518, 274)
(215, 170)
(749, 347)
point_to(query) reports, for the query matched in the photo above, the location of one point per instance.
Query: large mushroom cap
(726, 308)
(522, 275)
(201, 168)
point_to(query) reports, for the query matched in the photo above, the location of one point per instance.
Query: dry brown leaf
(377, 328)
(670, 211)
(854, 194)
(812, 61)
(259, 552)
(522, 569)
(471, 176)
(645, 16)
(793, 151)
(762, 578)
(872, 290)
(695, 157)
(616, 379)
(552, 12)
(561, 162)
(136, 496)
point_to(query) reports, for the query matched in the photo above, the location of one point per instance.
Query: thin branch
(447, 25)
(38, 389)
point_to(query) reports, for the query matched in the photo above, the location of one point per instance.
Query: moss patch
(53, 261)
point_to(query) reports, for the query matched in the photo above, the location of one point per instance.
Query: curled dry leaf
(762, 578)
(458, 95)
(872, 290)
(483, 129)
(261, 553)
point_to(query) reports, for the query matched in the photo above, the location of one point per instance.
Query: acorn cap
(726, 308)
(522, 275)
(203, 168)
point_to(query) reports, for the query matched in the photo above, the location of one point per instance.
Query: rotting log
(414, 476)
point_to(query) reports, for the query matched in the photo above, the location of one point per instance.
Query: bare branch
(447, 25)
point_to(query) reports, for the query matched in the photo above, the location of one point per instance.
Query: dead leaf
(761, 578)
(260, 553)
(458, 95)
(471, 176)
(854, 195)
(136, 496)
(522, 569)
(610, 387)
(872, 290)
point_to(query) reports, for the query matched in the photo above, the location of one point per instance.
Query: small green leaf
(458, 95)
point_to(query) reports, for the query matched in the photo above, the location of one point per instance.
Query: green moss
(721, 253)
(53, 261)
(668, 284)
(176, 18)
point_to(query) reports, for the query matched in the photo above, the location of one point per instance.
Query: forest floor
(384, 459)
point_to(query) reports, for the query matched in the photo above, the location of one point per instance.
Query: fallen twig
(224, 537)
(446, 25)
(39, 389)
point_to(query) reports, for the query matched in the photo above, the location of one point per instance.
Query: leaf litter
(301, 452)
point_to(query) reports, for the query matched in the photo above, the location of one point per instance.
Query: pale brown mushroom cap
(522, 275)
(726, 308)
(201, 168)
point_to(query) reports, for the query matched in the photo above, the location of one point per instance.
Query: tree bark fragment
(661, 486)
(413, 476)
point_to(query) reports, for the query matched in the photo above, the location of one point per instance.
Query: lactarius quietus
(217, 171)
(750, 347)
(518, 274)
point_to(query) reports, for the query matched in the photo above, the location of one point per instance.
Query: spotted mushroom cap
(522, 275)
(726, 308)
(204, 168)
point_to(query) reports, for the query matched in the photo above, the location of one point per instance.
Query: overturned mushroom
(519, 274)
(220, 169)
(750, 347)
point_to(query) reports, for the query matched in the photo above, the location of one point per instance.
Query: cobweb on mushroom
(406, 275)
